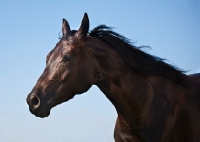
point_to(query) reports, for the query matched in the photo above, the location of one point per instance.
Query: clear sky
(29, 30)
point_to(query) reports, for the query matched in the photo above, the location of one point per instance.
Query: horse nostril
(35, 102)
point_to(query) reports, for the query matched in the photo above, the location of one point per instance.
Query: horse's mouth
(41, 113)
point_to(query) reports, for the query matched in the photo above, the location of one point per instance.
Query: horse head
(68, 71)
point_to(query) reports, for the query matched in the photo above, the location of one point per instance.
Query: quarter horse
(155, 101)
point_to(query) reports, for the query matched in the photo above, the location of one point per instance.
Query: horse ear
(65, 28)
(83, 30)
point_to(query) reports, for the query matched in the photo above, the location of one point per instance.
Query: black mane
(141, 62)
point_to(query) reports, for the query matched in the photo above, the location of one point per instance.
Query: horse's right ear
(83, 30)
(65, 28)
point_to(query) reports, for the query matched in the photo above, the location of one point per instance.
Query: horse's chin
(42, 114)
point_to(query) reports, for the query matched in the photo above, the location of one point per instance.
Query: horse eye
(66, 58)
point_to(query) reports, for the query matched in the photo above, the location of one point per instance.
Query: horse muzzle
(36, 107)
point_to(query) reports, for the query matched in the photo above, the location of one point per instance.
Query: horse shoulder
(122, 132)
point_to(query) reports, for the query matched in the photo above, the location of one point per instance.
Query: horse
(154, 100)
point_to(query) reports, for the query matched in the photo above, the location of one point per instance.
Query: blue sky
(29, 30)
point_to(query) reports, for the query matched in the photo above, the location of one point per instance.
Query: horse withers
(155, 101)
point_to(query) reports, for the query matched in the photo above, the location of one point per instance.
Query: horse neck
(123, 87)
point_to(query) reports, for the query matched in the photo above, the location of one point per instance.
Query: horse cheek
(64, 76)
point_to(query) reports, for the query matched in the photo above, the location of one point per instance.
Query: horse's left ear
(83, 30)
(65, 28)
